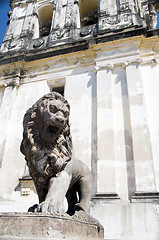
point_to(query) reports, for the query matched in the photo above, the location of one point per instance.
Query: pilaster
(142, 149)
(5, 113)
(105, 133)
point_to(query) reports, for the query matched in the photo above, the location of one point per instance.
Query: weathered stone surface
(41, 226)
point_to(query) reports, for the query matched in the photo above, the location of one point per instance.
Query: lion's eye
(53, 109)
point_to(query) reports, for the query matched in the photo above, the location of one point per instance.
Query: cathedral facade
(103, 55)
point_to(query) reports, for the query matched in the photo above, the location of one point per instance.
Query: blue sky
(4, 8)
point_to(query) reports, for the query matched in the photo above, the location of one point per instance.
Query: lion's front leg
(55, 201)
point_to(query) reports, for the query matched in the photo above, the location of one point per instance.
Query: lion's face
(52, 117)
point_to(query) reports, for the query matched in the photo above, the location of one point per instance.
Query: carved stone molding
(105, 198)
(38, 43)
(125, 64)
(110, 66)
(101, 67)
(60, 34)
(26, 33)
(154, 62)
(85, 31)
(142, 62)
(15, 82)
(139, 61)
(96, 69)
(145, 197)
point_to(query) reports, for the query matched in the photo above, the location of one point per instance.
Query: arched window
(45, 20)
(88, 12)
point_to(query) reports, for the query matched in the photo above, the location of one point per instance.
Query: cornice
(137, 62)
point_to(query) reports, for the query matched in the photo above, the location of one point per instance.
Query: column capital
(125, 64)
(110, 66)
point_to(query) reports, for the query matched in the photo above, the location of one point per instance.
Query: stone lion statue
(47, 146)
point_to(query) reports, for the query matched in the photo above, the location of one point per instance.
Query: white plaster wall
(13, 107)
(80, 100)
(125, 221)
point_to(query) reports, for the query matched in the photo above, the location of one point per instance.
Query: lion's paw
(52, 207)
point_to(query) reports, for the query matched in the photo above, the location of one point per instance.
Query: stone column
(57, 14)
(102, 5)
(77, 20)
(142, 152)
(35, 22)
(136, 12)
(69, 13)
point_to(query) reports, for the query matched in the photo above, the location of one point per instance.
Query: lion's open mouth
(52, 129)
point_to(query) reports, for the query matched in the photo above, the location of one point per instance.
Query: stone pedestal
(40, 226)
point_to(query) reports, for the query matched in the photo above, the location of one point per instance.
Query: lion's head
(46, 138)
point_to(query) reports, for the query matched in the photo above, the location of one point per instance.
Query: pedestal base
(30, 226)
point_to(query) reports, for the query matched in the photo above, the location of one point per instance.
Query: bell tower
(103, 56)
(43, 24)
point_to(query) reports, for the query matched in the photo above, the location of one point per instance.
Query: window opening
(59, 90)
(45, 20)
(88, 12)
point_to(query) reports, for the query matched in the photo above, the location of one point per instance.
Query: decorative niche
(45, 20)
(88, 12)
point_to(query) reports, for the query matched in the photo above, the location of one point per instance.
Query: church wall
(14, 104)
(123, 220)
(112, 89)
